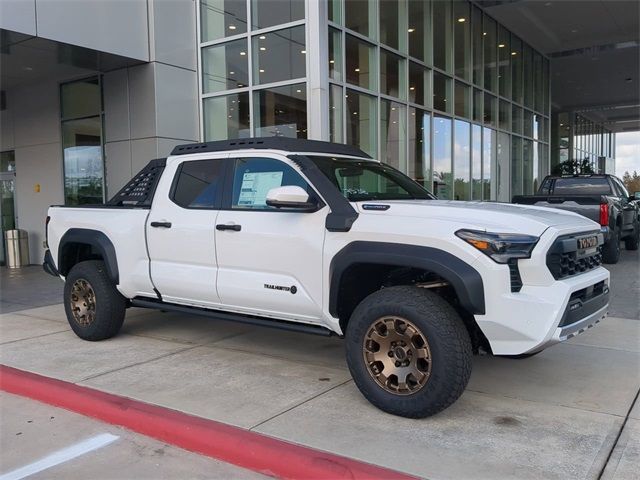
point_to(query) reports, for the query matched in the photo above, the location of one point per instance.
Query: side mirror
(290, 196)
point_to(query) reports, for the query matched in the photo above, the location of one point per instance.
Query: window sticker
(255, 186)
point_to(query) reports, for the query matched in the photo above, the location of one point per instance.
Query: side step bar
(232, 317)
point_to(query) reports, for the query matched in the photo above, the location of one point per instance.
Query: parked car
(602, 198)
(319, 238)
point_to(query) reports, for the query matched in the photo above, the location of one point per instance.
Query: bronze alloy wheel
(83, 302)
(397, 355)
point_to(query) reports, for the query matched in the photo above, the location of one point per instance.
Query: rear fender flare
(98, 241)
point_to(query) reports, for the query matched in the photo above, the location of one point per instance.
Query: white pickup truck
(318, 237)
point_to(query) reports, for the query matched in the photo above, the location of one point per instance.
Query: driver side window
(254, 177)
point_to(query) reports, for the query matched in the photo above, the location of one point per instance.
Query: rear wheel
(611, 249)
(631, 242)
(408, 351)
(95, 309)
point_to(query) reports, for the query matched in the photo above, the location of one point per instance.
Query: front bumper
(540, 316)
(569, 331)
(582, 313)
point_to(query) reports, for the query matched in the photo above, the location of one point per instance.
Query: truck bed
(124, 226)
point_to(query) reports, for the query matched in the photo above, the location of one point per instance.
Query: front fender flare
(465, 280)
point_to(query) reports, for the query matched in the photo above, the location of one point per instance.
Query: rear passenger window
(197, 184)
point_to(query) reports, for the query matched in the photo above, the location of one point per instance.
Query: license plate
(587, 245)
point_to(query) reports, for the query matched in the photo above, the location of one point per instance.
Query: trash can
(17, 242)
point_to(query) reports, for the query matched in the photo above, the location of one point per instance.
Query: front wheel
(611, 249)
(631, 242)
(95, 309)
(408, 351)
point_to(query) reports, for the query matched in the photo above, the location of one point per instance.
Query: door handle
(161, 224)
(222, 226)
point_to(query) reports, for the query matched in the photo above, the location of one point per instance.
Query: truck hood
(488, 216)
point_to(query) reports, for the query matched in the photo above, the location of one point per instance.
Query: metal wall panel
(118, 27)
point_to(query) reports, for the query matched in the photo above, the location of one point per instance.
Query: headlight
(501, 247)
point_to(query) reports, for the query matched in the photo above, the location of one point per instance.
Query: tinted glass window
(198, 183)
(545, 189)
(254, 177)
(359, 181)
(621, 187)
(581, 186)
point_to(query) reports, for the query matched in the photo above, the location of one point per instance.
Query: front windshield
(367, 180)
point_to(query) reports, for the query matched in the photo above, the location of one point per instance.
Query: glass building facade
(253, 68)
(436, 88)
(575, 137)
(82, 121)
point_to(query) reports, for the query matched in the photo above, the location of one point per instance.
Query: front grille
(563, 263)
(588, 293)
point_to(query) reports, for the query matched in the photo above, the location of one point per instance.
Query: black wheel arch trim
(99, 241)
(465, 280)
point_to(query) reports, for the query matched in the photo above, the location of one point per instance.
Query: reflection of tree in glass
(572, 167)
(442, 184)
(461, 189)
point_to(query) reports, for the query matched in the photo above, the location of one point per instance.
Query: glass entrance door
(7, 208)
(7, 198)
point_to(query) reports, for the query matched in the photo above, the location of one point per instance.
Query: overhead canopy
(25, 59)
(594, 48)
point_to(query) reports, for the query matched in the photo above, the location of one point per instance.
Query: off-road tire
(611, 248)
(110, 305)
(448, 340)
(632, 241)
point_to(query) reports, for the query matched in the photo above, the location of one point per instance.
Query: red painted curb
(227, 443)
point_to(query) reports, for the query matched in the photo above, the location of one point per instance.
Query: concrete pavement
(565, 413)
(27, 287)
(31, 431)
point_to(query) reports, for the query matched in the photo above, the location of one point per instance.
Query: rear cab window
(582, 186)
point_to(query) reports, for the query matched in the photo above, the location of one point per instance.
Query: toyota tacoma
(320, 238)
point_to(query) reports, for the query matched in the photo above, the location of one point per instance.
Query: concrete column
(152, 107)
(317, 70)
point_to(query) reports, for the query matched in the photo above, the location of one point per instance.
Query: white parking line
(61, 456)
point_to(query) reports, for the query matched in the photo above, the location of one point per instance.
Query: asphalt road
(625, 285)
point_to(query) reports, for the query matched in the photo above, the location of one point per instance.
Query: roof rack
(273, 143)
